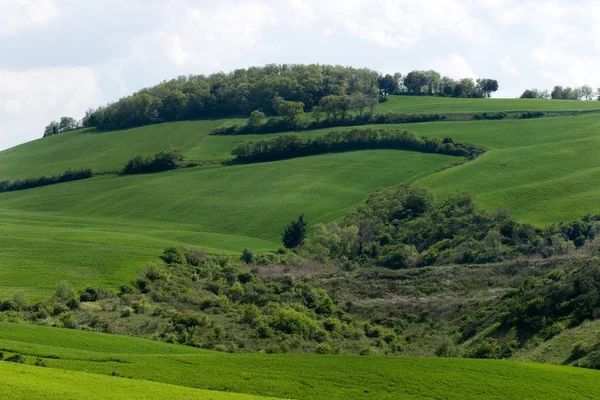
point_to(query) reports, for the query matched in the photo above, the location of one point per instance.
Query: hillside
(284, 376)
(104, 229)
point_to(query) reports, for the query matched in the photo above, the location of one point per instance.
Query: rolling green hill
(102, 230)
(283, 376)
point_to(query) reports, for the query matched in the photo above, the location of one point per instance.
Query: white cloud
(33, 98)
(455, 66)
(17, 16)
(509, 68)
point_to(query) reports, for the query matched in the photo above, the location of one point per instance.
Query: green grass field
(29, 382)
(445, 105)
(282, 376)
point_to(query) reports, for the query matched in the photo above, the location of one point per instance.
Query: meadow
(450, 105)
(280, 376)
(102, 230)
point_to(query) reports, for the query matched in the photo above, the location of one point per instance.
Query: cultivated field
(281, 376)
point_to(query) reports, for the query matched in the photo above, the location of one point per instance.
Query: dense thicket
(290, 146)
(403, 227)
(67, 176)
(257, 88)
(164, 161)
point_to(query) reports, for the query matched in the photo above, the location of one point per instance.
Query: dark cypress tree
(295, 233)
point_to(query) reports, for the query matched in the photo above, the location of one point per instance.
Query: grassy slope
(542, 170)
(101, 151)
(100, 231)
(298, 376)
(442, 105)
(29, 382)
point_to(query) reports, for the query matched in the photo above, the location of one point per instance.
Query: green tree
(295, 233)
(291, 111)
(256, 120)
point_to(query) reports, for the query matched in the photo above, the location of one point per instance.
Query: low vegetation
(163, 161)
(67, 176)
(291, 146)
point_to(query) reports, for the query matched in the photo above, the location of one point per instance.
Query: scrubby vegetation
(291, 146)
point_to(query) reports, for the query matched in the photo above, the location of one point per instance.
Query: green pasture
(448, 105)
(283, 375)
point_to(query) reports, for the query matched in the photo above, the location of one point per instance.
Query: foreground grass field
(286, 375)
(102, 230)
(28, 382)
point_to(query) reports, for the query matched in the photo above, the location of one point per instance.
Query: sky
(62, 57)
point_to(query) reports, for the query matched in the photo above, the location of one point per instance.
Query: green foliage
(247, 256)
(295, 233)
(290, 146)
(172, 158)
(67, 176)
(292, 322)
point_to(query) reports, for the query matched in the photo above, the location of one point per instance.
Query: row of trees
(431, 83)
(66, 124)
(239, 92)
(584, 92)
(291, 146)
(67, 176)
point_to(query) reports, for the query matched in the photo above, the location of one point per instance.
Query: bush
(174, 255)
(164, 161)
(292, 322)
(16, 358)
(533, 114)
(291, 146)
(247, 256)
(67, 176)
(488, 116)
(328, 348)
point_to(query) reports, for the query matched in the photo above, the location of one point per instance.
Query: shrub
(39, 363)
(247, 256)
(67, 176)
(16, 358)
(166, 160)
(174, 255)
(64, 291)
(292, 322)
(328, 348)
(290, 146)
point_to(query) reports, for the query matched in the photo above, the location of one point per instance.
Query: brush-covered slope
(293, 375)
